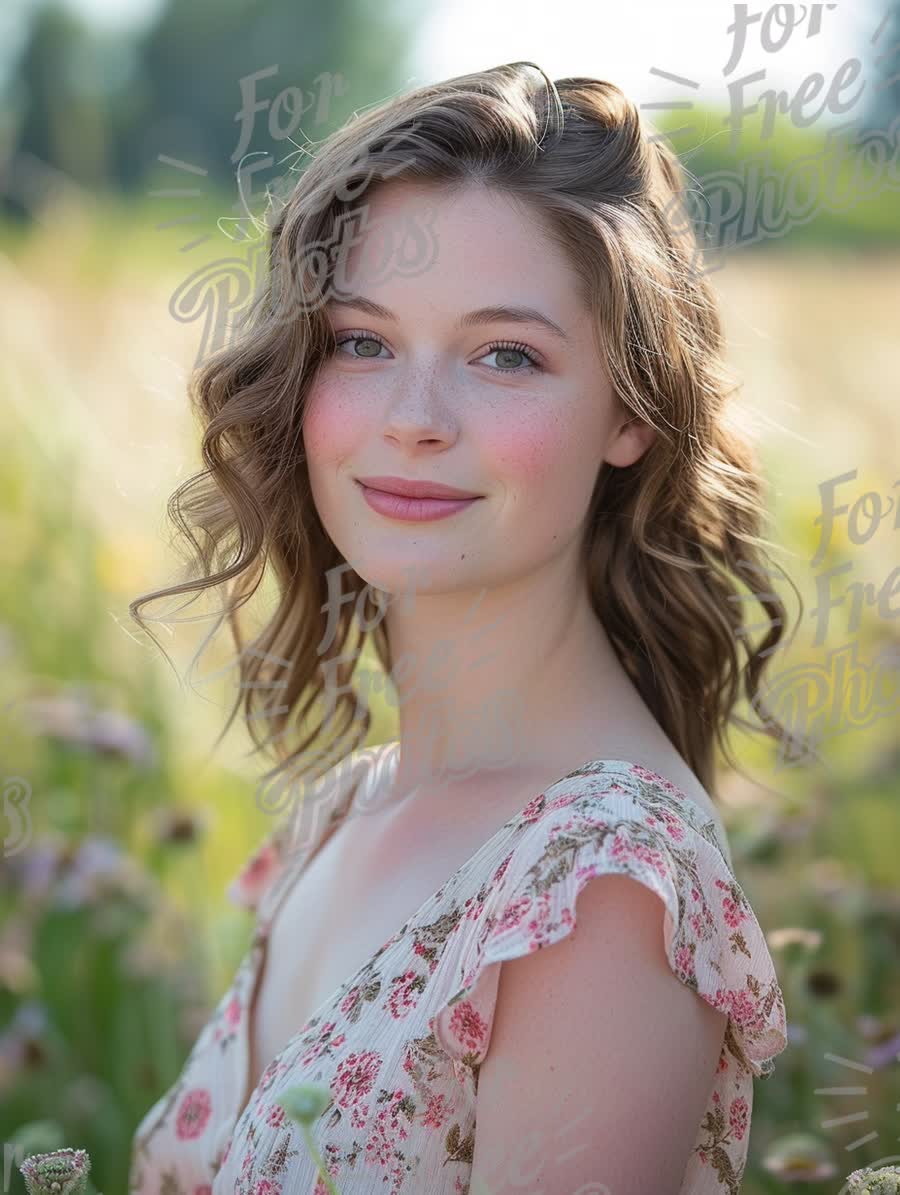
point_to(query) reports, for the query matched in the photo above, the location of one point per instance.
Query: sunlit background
(132, 198)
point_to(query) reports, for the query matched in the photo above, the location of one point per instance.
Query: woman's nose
(418, 406)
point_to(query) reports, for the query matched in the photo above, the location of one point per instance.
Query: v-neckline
(261, 945)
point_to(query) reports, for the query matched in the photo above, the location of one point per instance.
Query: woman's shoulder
(613, 817)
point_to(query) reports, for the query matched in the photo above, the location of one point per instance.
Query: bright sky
(624, 43)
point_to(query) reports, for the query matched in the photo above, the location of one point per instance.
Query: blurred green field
(103, 989)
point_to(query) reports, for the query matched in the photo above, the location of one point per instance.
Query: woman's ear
(630, 442)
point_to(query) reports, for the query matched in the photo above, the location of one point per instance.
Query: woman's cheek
(329, 425)
(530, 452)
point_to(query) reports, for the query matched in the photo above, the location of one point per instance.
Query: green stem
(317, 1158)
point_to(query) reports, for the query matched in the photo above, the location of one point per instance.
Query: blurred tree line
(99, 106)
(95, 109)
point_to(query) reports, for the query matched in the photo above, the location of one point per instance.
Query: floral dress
(399, 1045)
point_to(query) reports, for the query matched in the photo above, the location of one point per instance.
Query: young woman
(487, 432)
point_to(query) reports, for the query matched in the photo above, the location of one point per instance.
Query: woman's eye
(506, 350)
(373, 343)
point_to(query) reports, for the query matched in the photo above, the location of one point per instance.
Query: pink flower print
(623, 848)
(500, 872)
(233, 1012)
(643, 773)
(674, 827)
(732, 912)
(539, 920)
(265, 1186)
(193, 1114)
(359, 1115)
(473, 908)
(562, 801)
(315, 1051)
(355, 1077)
(514, 913)
(255, 877)
(276, 1116)
(319, 1045)
(467, 1025)
(532, 810)
(437, 1111)
(349, 1001)
(741, 1006)
(338, 1041)
(738, 1117)
(390, 1126)
(268, 1076)
(684, 960)
(404, 995)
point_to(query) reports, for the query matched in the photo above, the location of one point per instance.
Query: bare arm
(601, 1060)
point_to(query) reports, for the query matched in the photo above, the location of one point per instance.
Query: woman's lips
(413, 510)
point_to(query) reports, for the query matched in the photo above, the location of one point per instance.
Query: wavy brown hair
(672, 549)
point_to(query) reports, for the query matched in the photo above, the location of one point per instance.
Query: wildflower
(781, 939)
(69, 718)
(99, 869)
(37, 867)
(306, 1102)
(61, 1172)
(884, 1052)
(799, 1158)
(883, 1181)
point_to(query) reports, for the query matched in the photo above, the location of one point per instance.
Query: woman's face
(424, 390)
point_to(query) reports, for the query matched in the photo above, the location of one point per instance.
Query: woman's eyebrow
(483, 315)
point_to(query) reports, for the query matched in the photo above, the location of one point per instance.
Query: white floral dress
(400, 1043)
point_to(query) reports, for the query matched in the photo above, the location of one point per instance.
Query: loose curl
(666, 538)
